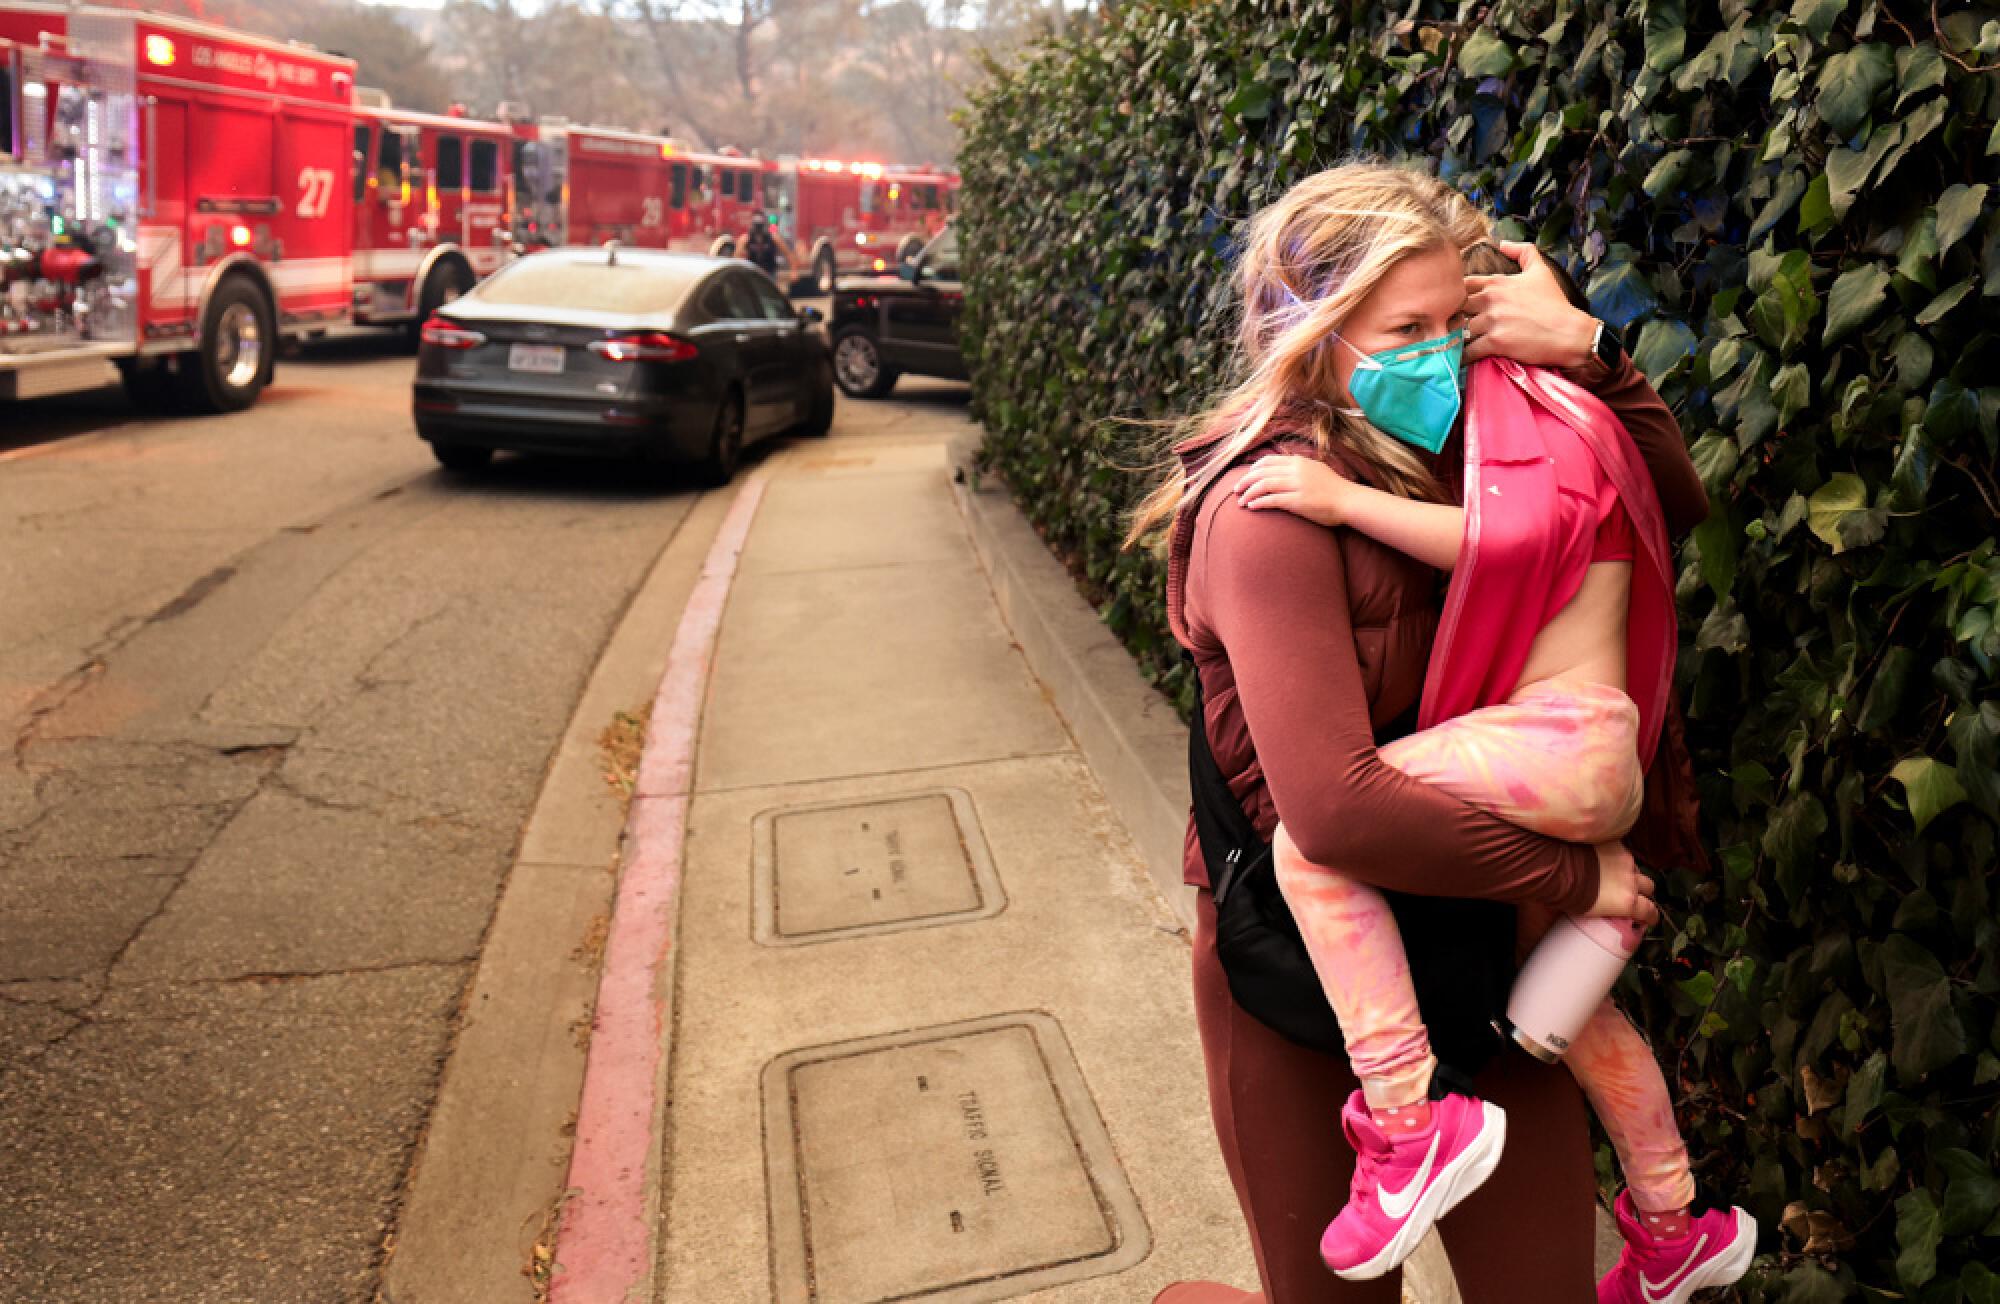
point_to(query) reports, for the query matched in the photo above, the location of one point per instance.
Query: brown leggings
(1526, 1237)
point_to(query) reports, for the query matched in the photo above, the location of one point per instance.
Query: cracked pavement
(279, 697)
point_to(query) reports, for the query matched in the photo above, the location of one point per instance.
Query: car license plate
(544, 358)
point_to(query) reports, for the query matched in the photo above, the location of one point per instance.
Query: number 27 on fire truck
(172, 199)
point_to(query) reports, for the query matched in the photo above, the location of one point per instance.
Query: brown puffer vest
(1393, 606)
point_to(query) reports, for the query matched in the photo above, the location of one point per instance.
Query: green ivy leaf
(1794, 831)
(1850, 81)
(1815, 210)
(1919, 251)
(1792, 390)
(1910, 132)
(1666, 35)
(1714, 456)
(1252, 101)
(1918, 68)
(1913, 356)
(1931, 787)
(1810, 1283)
(1716, 538)
(1485, 55)
(1839, 514)
(1857, 293)
(1957, 209)
(1817, 16)
(1846, 172)
(1663, 343)
(1864, 1091)
(1926, 1033)
(1918, 1233)
(1971, 1193)
(1666, 174)
(1935, 310)
(1980, 1284)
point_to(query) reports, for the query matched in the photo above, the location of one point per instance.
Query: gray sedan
(673, 358)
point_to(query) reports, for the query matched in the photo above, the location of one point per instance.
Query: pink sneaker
(1715, 1252)
(1403, 1185)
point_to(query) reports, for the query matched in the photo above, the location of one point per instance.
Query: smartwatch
(1606, 347)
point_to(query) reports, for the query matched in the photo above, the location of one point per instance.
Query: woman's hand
(1623, 892)
(1526, 317)
(1303, 486)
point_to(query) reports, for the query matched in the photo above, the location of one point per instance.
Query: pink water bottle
(1565, 980)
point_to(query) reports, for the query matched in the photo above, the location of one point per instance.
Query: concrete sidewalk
(932, 1030)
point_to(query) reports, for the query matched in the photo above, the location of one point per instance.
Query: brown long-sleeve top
(1308, 641)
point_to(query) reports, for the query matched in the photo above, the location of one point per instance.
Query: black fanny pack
(1461, 952)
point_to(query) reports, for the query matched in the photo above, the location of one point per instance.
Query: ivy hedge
(1793, 211)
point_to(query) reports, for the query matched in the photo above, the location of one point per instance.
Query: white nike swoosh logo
(1658, 1294)
(1397, 1204)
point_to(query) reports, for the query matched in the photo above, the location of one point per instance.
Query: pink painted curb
(604, 1251)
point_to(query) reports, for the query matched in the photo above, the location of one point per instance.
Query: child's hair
(1308, 260)
(1487, 259)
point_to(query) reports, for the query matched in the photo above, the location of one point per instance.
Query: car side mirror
(811, 314)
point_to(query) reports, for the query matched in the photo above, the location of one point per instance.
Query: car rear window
(559, 283)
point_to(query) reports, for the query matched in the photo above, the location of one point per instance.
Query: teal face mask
(1411, 392)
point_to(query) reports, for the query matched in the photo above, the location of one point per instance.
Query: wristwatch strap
(1606, 347)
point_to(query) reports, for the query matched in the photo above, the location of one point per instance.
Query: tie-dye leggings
(1561, 758)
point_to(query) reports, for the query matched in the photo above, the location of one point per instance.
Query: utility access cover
(958, 1163)
(843, 869)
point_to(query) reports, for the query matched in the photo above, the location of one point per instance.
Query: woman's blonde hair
(1308, 260)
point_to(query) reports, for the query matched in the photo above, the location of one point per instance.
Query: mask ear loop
(1364, 360)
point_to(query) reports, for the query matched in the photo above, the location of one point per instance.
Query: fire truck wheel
(824, 271)
(819, 410)
(857, 364)
(725, 442)
(232, 362)
(447, 281)
(462, 457)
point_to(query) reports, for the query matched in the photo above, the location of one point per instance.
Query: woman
(1308, 642)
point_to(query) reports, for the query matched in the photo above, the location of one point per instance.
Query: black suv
(884, 326)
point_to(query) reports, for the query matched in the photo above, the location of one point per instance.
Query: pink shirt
(1552, 483)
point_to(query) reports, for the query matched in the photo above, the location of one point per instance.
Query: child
(1527, 715)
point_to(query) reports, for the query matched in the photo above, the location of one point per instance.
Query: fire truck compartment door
(167, 246)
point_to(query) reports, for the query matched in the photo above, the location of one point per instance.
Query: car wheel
(824, 271)
(725, 442)
(819, 411)
(462, 457)
(857, 364)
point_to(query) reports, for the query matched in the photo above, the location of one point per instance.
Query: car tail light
(448, 334)
(653, 346)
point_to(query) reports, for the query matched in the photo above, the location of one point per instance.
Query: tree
(390, 55)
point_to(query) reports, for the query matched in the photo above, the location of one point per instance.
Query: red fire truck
(431, 200)
(176, 198)
(856, 217)
(173, 201)
(587, 184)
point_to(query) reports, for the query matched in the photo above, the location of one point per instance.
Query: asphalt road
(278, 696)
